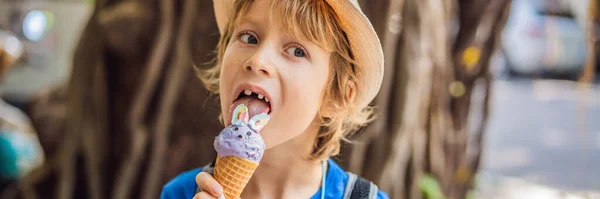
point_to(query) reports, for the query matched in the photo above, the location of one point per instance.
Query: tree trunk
(135, 114)
(425, 104)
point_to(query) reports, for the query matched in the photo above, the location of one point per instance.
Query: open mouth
(256, 102)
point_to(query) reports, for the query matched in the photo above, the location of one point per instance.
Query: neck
(285, 171)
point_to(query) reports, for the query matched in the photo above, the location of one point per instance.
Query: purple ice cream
(242, 138)
(240, 141)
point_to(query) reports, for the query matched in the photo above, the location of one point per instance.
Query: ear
(329, 110)
(351, 92)
(240, 115)
(259, 121)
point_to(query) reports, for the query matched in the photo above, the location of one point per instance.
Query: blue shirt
(184, 185)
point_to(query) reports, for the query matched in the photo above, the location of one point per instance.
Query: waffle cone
(233, 173)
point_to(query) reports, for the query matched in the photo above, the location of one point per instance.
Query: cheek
(301, 102)
(302, 99)
(230, 65)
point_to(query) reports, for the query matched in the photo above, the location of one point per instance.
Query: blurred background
(481, 98)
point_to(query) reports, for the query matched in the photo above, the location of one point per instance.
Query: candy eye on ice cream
(241, 138)
(239, 149)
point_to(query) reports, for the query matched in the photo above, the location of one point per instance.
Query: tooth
(260, 96)
(248, 92)
(266, 100)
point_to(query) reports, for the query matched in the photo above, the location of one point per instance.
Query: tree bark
(425, 123)
(114, 92)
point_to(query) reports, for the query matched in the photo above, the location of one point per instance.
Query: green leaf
(430, 187)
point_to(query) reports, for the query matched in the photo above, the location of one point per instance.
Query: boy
(313, 66)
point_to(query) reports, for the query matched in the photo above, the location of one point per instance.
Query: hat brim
(364, 44)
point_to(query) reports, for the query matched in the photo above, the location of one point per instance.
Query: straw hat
(364, 43)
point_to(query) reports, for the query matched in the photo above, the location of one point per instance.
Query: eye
(248, 38)
(236, 128)
(249, 133)
(240, 136)
(296, 51)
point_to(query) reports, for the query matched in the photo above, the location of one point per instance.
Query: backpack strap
(359, 188)
(350, 185)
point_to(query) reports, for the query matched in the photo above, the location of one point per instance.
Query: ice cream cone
(233, 173)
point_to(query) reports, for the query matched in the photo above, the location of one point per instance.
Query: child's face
(291, 72)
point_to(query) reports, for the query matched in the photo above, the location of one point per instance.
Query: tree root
(180, 65)
(139, 132)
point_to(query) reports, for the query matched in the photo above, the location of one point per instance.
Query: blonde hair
(316, 21)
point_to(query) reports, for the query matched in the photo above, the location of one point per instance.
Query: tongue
(255, 106)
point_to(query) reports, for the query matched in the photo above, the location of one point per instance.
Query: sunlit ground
(543, 139)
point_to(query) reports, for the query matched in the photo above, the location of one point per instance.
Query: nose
(260, 63)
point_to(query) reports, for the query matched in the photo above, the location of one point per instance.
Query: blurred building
(49, 30)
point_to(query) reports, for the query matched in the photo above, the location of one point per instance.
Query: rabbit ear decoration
(259, 121)
(240, 115)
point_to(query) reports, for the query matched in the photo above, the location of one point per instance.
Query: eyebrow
(251, 20)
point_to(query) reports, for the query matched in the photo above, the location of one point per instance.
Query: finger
(204, 195)
(208, 184)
